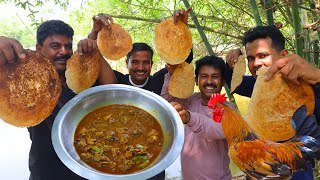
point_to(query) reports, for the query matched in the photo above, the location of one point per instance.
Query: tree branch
(190, 25)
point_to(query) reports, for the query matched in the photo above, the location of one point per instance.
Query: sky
(8, 10)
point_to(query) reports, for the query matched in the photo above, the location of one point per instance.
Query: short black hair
(140, 47)
(258, 32)
(213, 61)
(53, 27)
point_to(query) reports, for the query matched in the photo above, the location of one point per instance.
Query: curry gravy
(118, 139)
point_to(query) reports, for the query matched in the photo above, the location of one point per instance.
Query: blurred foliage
(12, 27)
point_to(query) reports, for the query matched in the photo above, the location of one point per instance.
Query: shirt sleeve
(169, 98)
(119, 76)
(316, 112)
(205, 127)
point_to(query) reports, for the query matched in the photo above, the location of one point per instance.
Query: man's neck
(62, 78)
(204, 100)
(138, 84)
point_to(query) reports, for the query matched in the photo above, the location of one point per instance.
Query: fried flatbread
(29, 90)
(273, 104)
(173, 42)
(83, 71)
(114, 43)
(239, 71)
(181, 84)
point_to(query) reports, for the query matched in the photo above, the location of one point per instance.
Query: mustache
(140, 71)
(213, 85)
(62, 58)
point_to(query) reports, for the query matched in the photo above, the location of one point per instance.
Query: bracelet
(188, 119)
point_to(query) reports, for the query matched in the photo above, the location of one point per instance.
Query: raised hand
(294, 68)
(181, 15)
(86, 46)
(232, 57)
(99, 21)
(171, 68)
(184, 115)
(10, 50)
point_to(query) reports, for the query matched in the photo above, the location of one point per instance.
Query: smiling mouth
(210, 87)
(140, 73)
(61, 61)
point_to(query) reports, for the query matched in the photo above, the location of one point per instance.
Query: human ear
(284, 52)
(38, 47)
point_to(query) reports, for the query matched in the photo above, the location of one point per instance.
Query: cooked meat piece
(83, 131)
(127, 164)
(153, 136)
(82, 143)
(115, 152)
(124, 120)
(91, 140)
(96, 157)
(124, 138)
(136, 131)
(152, 139)
(86, 156)
(111, 136)
(122, 130)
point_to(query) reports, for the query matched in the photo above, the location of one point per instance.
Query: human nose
(210, 80)
(140, 66)
(258, 63)
(63, 50)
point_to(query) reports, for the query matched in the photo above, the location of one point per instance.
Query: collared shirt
(205, 153)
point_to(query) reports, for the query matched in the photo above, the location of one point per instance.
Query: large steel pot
(70, 115)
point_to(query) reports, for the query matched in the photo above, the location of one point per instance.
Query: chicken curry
(118, 139)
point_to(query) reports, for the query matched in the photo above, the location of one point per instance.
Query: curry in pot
(118, 139)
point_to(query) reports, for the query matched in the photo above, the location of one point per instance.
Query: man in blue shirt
(265, 46)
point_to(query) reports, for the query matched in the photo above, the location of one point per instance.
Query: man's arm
(294, 68)
(98, 22)
(201, 125)
(106, 75)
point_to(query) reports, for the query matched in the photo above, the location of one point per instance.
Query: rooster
(259, 158)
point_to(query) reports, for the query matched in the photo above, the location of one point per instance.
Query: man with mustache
(265, 46)
(204, 155)
(139, 62)
(139, 59)
(54, 41)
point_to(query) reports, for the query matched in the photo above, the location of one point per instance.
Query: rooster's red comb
(216, 98)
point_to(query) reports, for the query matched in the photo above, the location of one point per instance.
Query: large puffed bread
(239, 71)
(114, 43)
(181, 84)
(83, 71)
(173, 42)
(29, 90)
(273, 104)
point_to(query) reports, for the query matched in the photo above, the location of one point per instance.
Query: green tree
(15, 28)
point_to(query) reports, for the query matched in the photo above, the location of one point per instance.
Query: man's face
(261, 53)
(57, 48)
(139, 65)
(209, 81)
